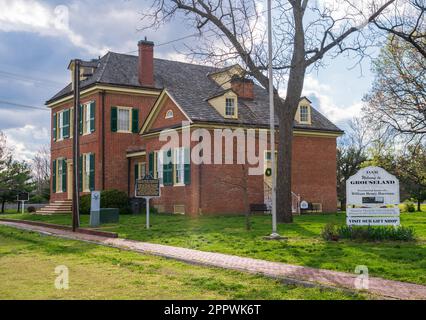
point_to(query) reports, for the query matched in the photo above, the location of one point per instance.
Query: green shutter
(187, 174)
(54, 126)
(114, 115)
(81, 115)
(135, 120)
(66, 129)
(54, 176)
(64, 175)
(80, 174)
(92, 172)
(168, 169)
(92, 116)
(136, 171)
(151, 164)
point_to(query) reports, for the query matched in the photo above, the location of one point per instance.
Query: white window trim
(234, 107)
(179, 162)
(159, 167)
(59, 162)
(60, 133)
(140, 166)
(85, 173)
(308, 108)
(130, 119)
(86, 113)
(169, 114)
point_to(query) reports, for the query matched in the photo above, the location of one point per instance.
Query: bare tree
(41, 169)
(407, 22)
(397, 100)
(304, 33)
(352, 152)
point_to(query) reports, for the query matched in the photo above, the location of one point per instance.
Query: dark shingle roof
(190, 86)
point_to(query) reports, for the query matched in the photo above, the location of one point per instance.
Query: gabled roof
(191, 87)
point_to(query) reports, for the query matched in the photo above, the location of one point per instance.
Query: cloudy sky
(39, 38)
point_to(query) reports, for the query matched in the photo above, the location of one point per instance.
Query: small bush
(38, 199)
(409, 207)
(85, 204)
(376, 233)
(330, 232)
(109, 199)
(31, 209)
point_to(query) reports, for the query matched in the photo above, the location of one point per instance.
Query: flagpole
(272, 124)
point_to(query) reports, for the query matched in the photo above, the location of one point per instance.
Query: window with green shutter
(136, 171)
(54, 176)
(66, 125)
(64, 175)
(167, 168)
(92, 116)
(92, 172)
(187, 174)
(135, 120)
(80, 173)
(55, 127)
(81, 117)
(114, 117)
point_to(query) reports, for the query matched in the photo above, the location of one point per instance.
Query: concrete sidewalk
(291, 273)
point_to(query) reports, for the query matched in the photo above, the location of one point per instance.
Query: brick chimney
(146, 63)
(243, 87)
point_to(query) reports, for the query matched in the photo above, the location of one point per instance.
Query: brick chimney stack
(243, 87)
(146, 63)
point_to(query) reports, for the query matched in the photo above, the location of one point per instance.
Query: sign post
(372, 197)
(23, 197)
(147, 188)
(95, 208)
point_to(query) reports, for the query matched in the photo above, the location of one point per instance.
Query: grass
(404, 261)
(28, 261)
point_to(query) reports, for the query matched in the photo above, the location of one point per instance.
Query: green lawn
(392, 260)
(28, 261)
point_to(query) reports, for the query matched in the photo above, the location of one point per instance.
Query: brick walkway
(298, 274)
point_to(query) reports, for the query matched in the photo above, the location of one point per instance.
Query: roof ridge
(107, 57)
(169, 60)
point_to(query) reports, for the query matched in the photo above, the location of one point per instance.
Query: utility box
(104, 216)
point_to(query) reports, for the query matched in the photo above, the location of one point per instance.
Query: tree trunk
(2, 206)
(343, 205)
(284, 203)
(419, 205)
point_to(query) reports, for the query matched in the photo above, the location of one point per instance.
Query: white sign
(95, 204)
(373, 221)
(372, 197)
(358, 212)
(372, 187)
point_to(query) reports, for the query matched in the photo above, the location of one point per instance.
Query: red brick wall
(116, 144)
(314, 164)
(314, 170)
(161, 122)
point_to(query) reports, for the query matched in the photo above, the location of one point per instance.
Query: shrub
(85, 204)
(377, 233)
(330, 232)
(31, 209)
(109, 199)
(409, 207)
(38, 199)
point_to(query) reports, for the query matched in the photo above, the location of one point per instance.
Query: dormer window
(304, 114)
(169, 114)
(230, 107)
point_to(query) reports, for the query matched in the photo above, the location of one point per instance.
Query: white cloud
(26, 141)
(35, 16)
(324, 93)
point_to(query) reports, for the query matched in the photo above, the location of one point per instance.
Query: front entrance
(69, 180)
